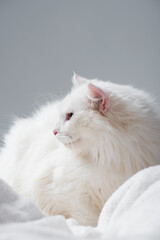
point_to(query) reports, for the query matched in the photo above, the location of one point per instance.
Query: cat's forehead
(75, 99)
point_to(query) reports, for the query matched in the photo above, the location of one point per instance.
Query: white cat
(103, 134)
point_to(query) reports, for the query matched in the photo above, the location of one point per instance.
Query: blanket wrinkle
(132, 212)
(139, 210)
(14, 208)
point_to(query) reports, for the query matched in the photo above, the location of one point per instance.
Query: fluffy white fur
(113, 133)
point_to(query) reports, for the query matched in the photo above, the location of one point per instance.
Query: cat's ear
(77, 80)
(97, 97)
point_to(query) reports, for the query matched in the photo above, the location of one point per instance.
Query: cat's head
(97, 117)
(81, 114)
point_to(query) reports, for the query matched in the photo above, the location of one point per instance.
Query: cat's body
(104, 133)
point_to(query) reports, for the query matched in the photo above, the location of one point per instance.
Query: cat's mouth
(67, 140)
(71, 143)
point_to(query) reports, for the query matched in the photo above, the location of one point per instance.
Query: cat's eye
(68, 116)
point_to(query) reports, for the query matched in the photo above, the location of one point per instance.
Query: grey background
(43, 42)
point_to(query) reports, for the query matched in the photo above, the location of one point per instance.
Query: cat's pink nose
(55, 132)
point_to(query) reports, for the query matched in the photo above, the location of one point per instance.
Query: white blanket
(132, 212)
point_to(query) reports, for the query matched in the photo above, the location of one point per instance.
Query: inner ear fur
(98, 98)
